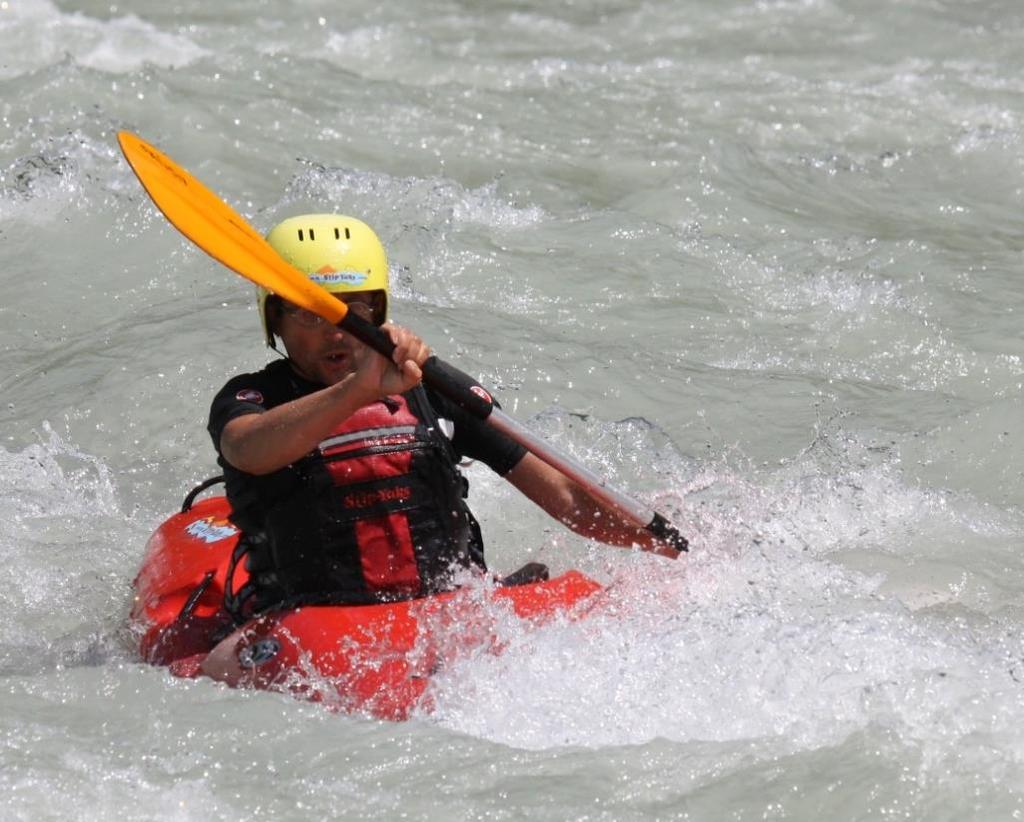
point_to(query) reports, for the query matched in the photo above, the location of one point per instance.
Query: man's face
(319, 351)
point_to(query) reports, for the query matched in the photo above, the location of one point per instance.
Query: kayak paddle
(225, 235)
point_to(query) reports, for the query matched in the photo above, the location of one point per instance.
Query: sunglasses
(307, 319)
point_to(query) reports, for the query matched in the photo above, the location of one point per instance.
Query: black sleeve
(244, 394)
(474, 439)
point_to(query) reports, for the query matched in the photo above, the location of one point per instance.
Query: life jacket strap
(235, 602)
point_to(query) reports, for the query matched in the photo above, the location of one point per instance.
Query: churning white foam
(61, 549)
(38, 34)
(765, 638)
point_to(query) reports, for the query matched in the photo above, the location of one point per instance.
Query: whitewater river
(758, 263)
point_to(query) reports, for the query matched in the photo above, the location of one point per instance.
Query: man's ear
(273, 309)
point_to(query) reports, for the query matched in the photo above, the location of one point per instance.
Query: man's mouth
(337, 358)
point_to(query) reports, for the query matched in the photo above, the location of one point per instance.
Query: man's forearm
(263, 443)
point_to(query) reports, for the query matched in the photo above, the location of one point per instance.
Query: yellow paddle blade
(221, 231)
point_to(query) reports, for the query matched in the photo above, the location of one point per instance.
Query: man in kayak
(342, 468)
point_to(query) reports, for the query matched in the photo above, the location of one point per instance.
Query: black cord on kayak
(195, 492)
(667, 532)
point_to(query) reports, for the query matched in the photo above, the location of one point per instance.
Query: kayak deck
(376, 659)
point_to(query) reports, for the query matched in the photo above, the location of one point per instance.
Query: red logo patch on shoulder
(481, 393)
(249, 395)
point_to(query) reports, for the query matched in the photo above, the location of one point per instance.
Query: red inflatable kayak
(376, 659)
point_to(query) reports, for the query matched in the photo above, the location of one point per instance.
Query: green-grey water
(759, 263)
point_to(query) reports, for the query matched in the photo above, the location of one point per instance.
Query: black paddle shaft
(468, 394)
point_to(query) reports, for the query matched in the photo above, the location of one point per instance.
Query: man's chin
(333, 374)
(322, 372)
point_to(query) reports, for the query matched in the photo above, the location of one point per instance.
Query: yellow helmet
(339, 253)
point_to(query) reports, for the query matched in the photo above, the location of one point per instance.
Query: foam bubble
(430, 200)
(62, 552)
(60, 172)
(53, 478)
(39, 34)
(768, 638)
(776, 653)
(417, 218)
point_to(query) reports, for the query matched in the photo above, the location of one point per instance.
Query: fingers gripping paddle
(225, 235)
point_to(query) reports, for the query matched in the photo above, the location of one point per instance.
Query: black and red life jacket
(376, 513)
